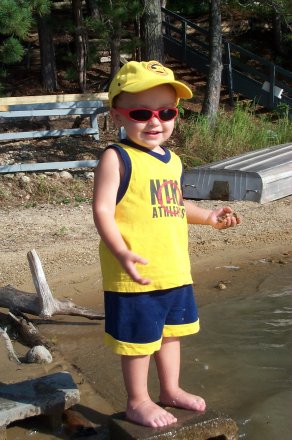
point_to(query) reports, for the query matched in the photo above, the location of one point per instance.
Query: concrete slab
(190, 426)
(48, 395)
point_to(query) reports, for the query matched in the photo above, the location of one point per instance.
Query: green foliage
(2, 89)
(11, 51)
(235, 133)
(41, 7)
(114, 14)
(119, 10)
(71, 74)
(181, 110)
(16, 20)
(264, 9)
(194, 7)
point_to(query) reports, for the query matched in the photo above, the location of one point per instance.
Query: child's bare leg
(140, 408)
(168, 367)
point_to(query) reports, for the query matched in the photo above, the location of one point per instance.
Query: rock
(77, 425)
(66, 175)
(191, 425)
(39, 355)
(221, 285)
(9, 176)
(89, 175)
(25, 179)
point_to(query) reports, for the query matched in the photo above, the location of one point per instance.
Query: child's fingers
(228, 219)
(140, 260)
(133, 271)
(134, 274)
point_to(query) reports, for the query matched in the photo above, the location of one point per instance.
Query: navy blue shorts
(135, 323)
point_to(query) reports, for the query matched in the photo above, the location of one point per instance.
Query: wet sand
(67, 245)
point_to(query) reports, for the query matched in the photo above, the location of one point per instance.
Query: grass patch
(235, 133)
(44, 190)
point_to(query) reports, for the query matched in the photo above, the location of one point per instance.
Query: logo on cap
(156, 67)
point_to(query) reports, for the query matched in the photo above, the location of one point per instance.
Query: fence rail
(244, 72)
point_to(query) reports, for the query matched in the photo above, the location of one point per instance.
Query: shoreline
(64, 236)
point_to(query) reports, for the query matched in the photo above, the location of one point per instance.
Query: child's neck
(158, 149)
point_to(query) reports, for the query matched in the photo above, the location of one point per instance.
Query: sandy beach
(67, 244)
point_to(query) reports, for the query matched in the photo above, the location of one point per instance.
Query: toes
(185, 400)
(199, 404)
(150, 414)
(165, 419)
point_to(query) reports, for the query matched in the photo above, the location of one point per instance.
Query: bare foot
(147, 413)
(182, 399)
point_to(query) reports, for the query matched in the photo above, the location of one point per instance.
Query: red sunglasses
(145, 114)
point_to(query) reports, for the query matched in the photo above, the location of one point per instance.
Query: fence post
(228, 66)
(167, 23)
(184, 41)
(272, 86)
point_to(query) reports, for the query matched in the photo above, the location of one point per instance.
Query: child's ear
(116, 117)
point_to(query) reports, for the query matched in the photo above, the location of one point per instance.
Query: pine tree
(16, 20)
(212, 96)
(151, 31)
(116, 28)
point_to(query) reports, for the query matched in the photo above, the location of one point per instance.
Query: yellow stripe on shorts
(181, 329)
(131, 349)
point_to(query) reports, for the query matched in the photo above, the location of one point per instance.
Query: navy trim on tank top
(127, 174)
(128, 165)
(162, 157)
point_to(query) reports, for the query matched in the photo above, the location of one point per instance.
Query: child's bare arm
(106, 184)
(220, 218)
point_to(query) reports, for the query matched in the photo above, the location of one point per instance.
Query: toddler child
(142, 220)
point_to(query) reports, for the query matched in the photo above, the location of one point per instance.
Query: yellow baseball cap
(136, 77)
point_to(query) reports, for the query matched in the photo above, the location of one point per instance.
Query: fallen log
(43, 304)
(28, 333)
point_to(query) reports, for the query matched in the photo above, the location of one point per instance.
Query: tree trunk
(137, 25)
(92, 8)
(212, 96)
(115, 48)
(47, 52)
(151, 32)
(277, 31)
(81, 41)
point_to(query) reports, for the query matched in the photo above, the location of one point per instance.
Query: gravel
(65, 236)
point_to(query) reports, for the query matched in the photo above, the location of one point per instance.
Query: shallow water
(240, 362)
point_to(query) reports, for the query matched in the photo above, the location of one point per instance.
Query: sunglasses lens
(167, 114)
(141, 115)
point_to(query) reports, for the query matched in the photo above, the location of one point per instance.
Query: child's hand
(223, 218)
(128, 260)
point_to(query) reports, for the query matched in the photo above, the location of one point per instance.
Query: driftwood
(28, 333)
(38, 353)
(11, 353)
(43, 304)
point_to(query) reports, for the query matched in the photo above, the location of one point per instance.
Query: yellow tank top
(152, 220)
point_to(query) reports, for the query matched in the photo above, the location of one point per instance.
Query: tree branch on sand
(42, 304)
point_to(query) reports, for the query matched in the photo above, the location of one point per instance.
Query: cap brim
(182, 90)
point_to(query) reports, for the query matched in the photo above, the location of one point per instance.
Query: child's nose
(155, 119)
